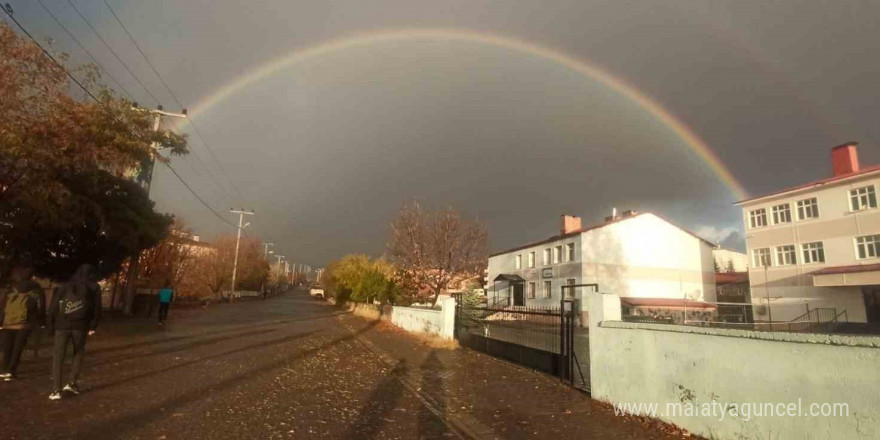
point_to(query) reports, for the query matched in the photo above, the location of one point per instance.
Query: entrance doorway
(872, 303)
(519, 297)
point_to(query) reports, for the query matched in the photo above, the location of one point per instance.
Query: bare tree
(431, 248)
(214, 269)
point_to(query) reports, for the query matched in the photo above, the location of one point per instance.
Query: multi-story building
(730, 261)
(649, 262)
(817, 245)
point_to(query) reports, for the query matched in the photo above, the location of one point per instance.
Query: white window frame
(531, 259)
(546, 257)
(813, 252)
(871, 244)
(518, 259)
(779, 211)
(865, 196)
(786, 255)
(548, 289)
(569, 293)
(755, 215)
(557, 254)
(530, 290)
(569, 252)
(810, 206)
(756, 253)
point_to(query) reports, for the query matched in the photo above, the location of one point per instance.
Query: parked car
(316, 291)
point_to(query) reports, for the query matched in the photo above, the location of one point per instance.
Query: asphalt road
(293, 367)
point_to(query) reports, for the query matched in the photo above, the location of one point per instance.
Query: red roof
(856, 268)
(825, 181)
(667, 302)
(731, 278)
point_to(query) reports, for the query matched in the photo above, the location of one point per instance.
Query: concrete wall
(653, 363)
(440, 323)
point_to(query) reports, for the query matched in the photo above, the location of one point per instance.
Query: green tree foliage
(64, 195)
(358, 278)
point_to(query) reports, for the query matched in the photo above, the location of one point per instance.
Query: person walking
(166, 295)
(22, 308)
(73, 315)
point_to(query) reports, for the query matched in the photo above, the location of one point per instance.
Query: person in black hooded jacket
(73, 315)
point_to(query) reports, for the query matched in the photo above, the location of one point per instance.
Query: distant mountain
(734, 241)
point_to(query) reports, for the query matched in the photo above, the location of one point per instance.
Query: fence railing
(535, 327)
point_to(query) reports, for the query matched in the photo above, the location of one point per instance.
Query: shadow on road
(122, 425)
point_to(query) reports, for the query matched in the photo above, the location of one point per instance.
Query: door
(872, 303)
(519, 297)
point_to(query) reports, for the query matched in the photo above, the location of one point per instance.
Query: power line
(75, 40)
(174, 96)
(8, 10)
(113, 51)
(197, 195)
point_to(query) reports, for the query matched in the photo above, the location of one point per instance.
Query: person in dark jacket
(73, 315)
(22, 308)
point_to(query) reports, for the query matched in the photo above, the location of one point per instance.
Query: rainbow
(587, 69)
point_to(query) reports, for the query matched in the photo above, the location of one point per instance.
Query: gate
(542, 338)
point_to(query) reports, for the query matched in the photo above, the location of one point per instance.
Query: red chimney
(845, 158)
(569, 223)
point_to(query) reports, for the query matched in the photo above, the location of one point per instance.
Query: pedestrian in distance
(73, 316)
(166, 295)
(22, 308)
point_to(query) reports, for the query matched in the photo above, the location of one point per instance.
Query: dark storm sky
(327, 149)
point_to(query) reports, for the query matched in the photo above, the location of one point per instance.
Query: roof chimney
(845, 159)
(569, 223)
(629, 213)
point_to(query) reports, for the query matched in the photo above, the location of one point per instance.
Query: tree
(64, 195)
(431, 248)
(717, 266)
(171, 260)
(730, 268)
(357, 277)
(214, 269)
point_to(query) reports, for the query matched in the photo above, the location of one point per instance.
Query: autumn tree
(171, 260)
(361, 279)
(432, 247)
(64, 195)
(214, 269)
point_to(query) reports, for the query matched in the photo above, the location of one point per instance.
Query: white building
(817, 245)
(726, 259)
(646, 260)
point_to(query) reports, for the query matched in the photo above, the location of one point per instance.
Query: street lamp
(241, 213)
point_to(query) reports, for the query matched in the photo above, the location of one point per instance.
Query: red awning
(667, 302)
(856, 268)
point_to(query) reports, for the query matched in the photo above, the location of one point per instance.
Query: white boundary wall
(440, 323)
(655, 363)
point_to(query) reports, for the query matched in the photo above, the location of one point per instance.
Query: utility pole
(145, 177)
(278, 266)
(266, 250)
(241, 213)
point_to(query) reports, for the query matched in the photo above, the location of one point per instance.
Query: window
(807, 208)
(546, 259)
(569, 252)
(531, 259)
(782, 214)
(867, 246)
(548, 293)
(758, 218)
(557, 254)
(786, 255)
(531, 290)
(569, 293)
(761, 257)
(862, 198)
(813, 252)
(519, 261)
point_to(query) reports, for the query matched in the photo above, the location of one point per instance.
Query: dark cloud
(327, 150)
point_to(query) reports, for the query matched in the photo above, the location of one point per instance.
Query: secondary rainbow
(690, 138)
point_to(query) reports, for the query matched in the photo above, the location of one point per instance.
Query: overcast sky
(328, 148)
